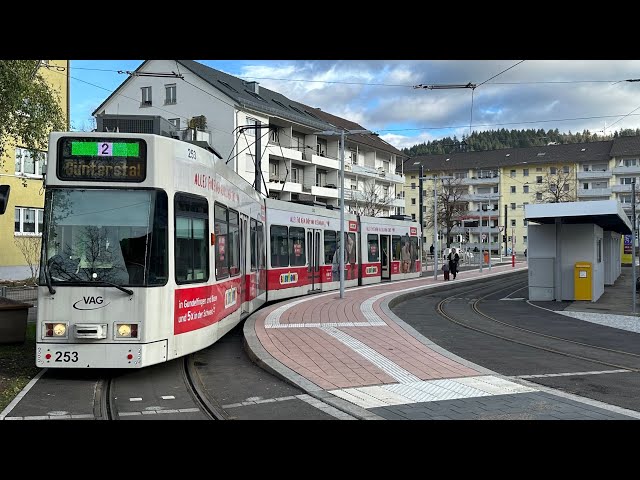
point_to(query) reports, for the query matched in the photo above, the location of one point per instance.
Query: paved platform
(357, 355)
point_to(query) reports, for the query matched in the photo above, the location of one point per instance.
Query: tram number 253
(66, 357)
(191, 153)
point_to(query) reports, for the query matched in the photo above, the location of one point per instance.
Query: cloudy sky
(570, 95)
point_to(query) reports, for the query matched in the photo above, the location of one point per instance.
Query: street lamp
(342, 134)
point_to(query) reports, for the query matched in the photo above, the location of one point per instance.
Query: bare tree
(373, 200)
(30, 249)
(556, 187)
(450, 206)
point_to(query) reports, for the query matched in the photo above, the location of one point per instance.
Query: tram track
(196, 388)
(615, 358)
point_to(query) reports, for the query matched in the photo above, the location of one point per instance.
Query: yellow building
(21, 225)
(496, 185)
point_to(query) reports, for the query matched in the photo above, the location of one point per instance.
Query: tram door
(385, 246)
(313, 249)
(244, 243)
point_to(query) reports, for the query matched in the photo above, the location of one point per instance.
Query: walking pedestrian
(453, 258)
(445, 270)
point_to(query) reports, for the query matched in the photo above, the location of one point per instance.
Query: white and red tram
(153, 250)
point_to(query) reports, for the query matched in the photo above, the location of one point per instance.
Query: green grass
(17, 366)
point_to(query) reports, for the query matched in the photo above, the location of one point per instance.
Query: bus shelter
(574, 248)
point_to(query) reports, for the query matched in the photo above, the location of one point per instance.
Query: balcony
(325, 162)
(284, 152)
(474, 197)
(480, 181)
(594, 192)
(626, 170)
(324, 191)
(476, 230)
(621, 188)
(485, 214)
(597, 175)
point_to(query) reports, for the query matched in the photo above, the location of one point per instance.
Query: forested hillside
(497, 139)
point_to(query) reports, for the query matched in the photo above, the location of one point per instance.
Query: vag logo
(230, 297)
(290, 277)
(90, 303)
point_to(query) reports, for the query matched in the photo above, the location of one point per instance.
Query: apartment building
(23, 170)
(497, 184)
(270, 140)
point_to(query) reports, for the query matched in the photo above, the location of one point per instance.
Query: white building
(296, 163)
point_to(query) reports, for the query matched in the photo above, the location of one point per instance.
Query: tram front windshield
(113, 236)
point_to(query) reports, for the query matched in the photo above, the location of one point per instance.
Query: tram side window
(351, 247)
(329, 246)
(221, 229)
(372, 242)
(191, 246)
(261, 253)
(279, 246)
(254, 246)
(395, 248)
(414, 253)
(297, 256)
(158, 264)
(234, 242)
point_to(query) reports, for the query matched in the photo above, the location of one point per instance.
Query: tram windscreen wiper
(119, 287)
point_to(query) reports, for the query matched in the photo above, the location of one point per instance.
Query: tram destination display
(102, 160)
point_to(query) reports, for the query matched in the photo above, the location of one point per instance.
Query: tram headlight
(55, 330)
(126, 330)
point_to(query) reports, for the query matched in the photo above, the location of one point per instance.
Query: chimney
(253, 87)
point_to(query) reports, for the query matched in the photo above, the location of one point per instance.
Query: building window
(512, 173)
(565, 169)
(539, 179)
(552, 187)
(251, 131)
(413, 186)
(413, 201)
(146, 97)
(297, 140)
(170, 94)
(513, 189)
(566, 187)
(321, 147)
(321, 178)
(274, 135)
(525, 188)
(175, 122)
(585, 186)
(538, 169)
(525, 222)
(630, 162)
(538, 196)
(553, 170)
(273, 171)
(525, 172)
(296, 175)
(626, 180)
(513, 206)
(28, 221)
(30, 164)
(413, 177)
(413, 217)
(524, 239)
(513, 222)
